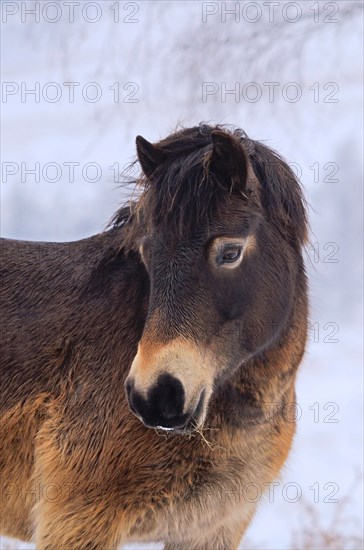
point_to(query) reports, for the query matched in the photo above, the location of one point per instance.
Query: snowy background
(288, 73)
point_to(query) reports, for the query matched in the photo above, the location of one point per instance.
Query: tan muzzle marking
(181, 358)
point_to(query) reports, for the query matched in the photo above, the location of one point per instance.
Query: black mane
(182, 192)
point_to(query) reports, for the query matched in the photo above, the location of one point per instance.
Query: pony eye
(230, 253)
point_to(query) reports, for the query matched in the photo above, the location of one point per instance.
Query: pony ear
(149, 155)
(228, 160)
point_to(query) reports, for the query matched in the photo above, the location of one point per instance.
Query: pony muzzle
(169, 386)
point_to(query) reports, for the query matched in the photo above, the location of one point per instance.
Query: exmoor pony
(147, 372)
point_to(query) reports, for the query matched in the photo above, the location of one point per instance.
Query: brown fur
(78, 469)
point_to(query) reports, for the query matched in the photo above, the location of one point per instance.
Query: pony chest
(191, 493)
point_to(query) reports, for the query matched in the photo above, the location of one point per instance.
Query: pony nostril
(163, 406)
(129, 384)
(199, 407)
